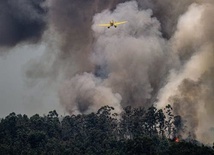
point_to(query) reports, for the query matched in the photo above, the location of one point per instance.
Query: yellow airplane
(112, 23)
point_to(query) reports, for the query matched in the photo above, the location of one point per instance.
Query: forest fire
(154, 59)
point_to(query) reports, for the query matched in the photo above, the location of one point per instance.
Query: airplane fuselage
(112, 24)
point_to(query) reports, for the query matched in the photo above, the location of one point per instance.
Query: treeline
(135, 131)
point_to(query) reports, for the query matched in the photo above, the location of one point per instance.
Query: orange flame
(176, 140)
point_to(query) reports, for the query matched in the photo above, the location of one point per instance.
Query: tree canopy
(135, 131)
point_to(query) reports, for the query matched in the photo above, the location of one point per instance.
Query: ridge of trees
(135, 131)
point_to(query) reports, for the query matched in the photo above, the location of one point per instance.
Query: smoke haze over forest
(163, 55)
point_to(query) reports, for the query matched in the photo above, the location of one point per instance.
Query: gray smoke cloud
(72, 20)
(163, 54)
(139, 63)
(70, 40)
(189, 89)
(88, 93)
(69, 37)
(188, 98)
(132, 59)
(142, 49)
(21, 20)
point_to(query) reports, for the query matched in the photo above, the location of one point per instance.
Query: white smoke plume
(189, 89)
(131, 60)
(88, 94)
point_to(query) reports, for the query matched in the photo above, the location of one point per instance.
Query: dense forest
(135, 131)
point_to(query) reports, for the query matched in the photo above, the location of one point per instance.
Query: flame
(176, 140)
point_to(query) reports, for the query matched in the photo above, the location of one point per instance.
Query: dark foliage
(136, 132)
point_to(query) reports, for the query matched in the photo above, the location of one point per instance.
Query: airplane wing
(118, 23)
(104, 25)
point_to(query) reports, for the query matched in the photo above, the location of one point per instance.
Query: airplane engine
(115, 26)
(108, 27)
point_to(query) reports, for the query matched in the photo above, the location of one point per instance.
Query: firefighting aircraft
(112, 23)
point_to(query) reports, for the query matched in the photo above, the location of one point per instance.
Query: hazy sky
(15, 94)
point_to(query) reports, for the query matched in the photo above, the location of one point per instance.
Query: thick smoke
(132, 60)
(21, 20)
(167, 12)
(88, 93)
(188, 98)
(135, 60)
(135, 54)
(69, 38)
(190, 88)
(163, 54)
(72, 20)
